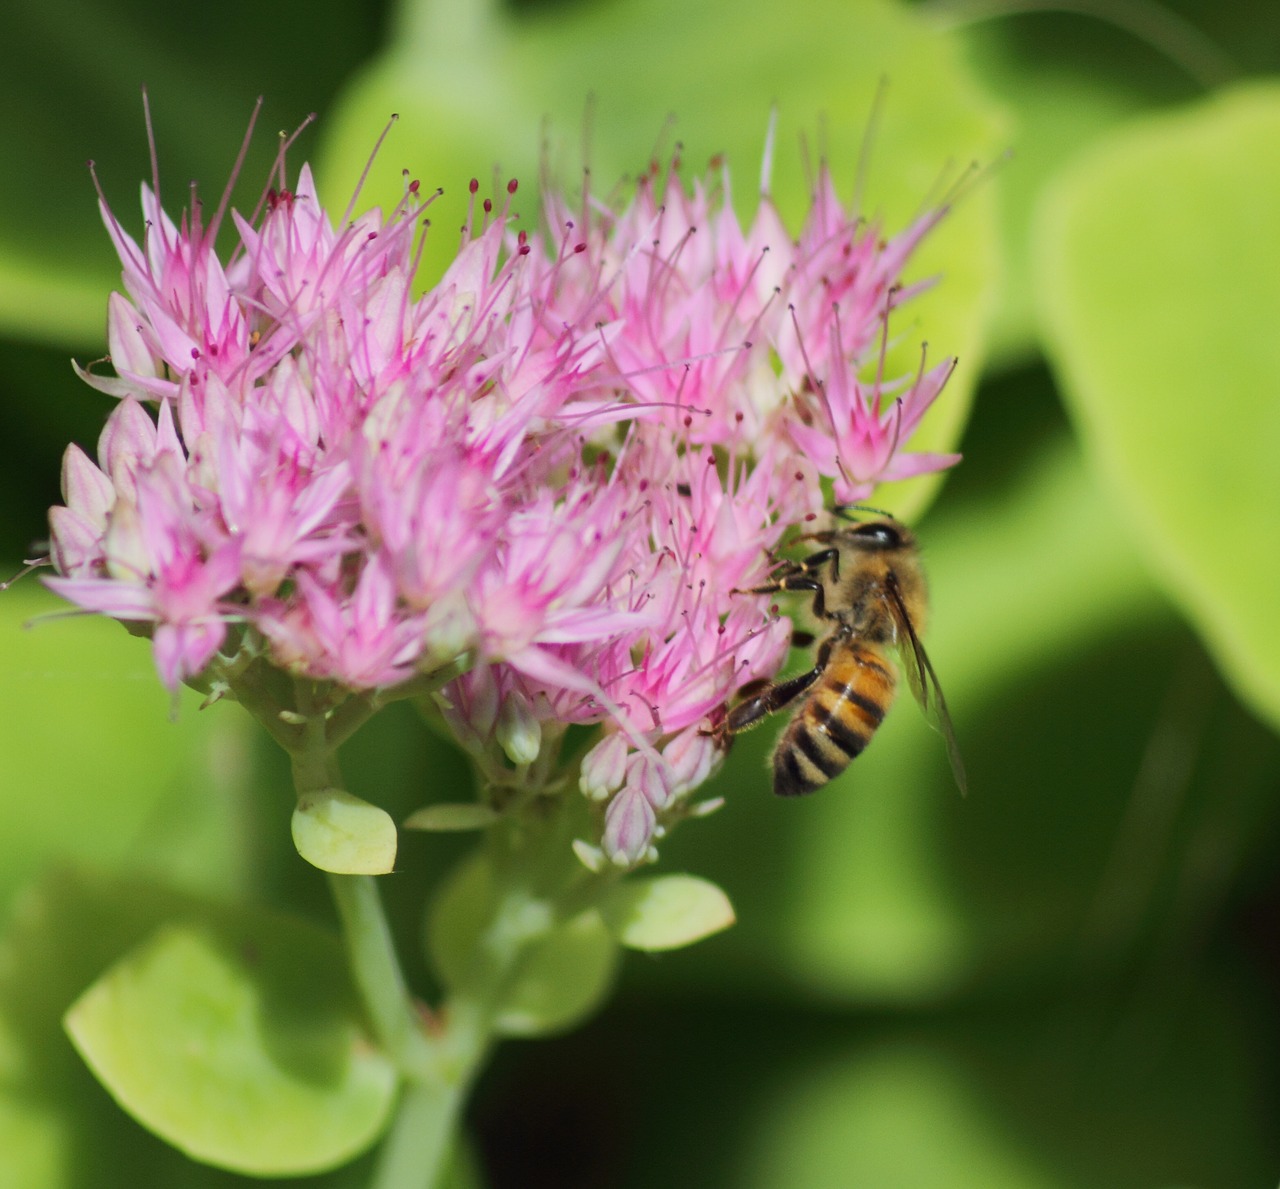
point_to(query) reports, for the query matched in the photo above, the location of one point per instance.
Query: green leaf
(33, 1143)
(665, 912)
(561, 980)
(475, 87)
(452, 815)
(458, 918)
(239, 1047)
(982, 1098)
(63, 932)
(338, 832)
(97, 761)
(1058, 102)
(551, 975)
(1159, 279)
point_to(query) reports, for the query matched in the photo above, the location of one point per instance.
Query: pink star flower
(553, 473)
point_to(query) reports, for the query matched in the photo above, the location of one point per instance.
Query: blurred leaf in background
(1067, 979)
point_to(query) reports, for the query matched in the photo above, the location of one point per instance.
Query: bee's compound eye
(878, 534)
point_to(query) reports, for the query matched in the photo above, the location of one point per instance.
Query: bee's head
(878, 535)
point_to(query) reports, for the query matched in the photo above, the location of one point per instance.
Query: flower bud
(628, 827)
(604, 767)
(518, 732)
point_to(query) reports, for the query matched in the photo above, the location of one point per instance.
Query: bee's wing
(922, 680)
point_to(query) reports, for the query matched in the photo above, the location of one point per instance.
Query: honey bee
(869, 586)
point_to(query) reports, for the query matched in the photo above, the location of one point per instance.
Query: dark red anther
(579, 248)
(512, 186)
(474, 187)
(488, 206)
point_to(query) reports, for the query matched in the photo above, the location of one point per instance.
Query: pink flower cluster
(557, 466)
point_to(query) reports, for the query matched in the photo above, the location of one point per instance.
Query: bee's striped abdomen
(835, 723)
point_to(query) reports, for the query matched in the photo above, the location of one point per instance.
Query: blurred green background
(1068, 979)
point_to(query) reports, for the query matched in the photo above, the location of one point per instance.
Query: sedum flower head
(552, 473)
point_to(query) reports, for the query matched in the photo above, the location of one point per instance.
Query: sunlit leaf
(339, 832)
(560, 972)
(1159, 278)
(33, 1143)
(1058, 103)
(665, 912)
(449, 816)
(241, 1047)
(983, 1102)
(562, 980)
(96, 763)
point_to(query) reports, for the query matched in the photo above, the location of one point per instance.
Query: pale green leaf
(1058, 104)
(561, 980)
(98, 762)
(458, 917)
(452, 815)
(33, 1143)
(901, 1115)
(665, 912)
(551, 974)
(1159, 278)
(338, 832)
(238, 1047)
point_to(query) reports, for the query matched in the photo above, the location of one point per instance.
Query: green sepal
(665, 912)
(338, 832)
(239, 1043)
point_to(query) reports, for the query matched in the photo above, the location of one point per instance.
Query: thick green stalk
(417, 1149)
(378, 977)
(436, 1068)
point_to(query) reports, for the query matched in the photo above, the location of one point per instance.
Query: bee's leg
(791, 580)
(824, 557)
(773, 697)
(798, 575)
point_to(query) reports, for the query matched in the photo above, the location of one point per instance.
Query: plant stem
(435, 1070)
(416, 1151)
(376, 970)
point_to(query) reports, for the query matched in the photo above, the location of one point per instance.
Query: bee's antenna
(843, 510)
